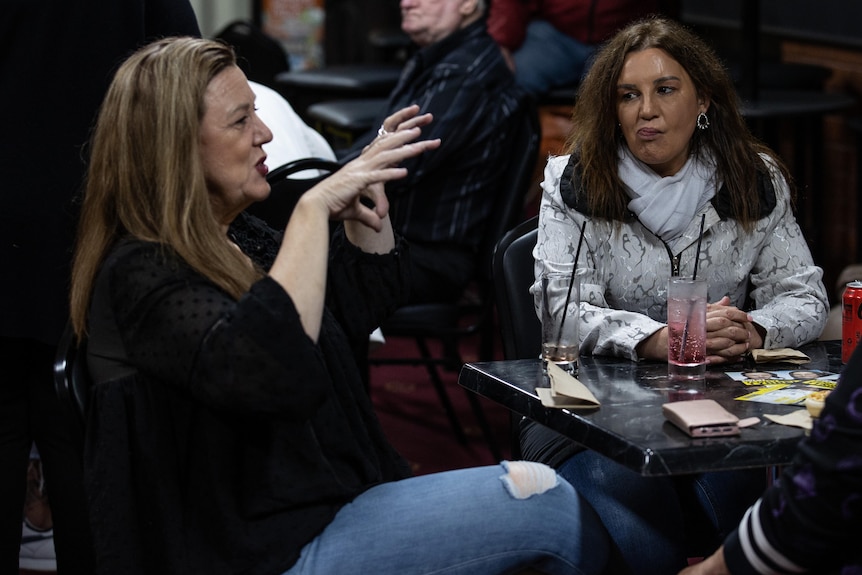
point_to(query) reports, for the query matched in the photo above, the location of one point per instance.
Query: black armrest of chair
(302, 88)
(361, 81)
(282, 173)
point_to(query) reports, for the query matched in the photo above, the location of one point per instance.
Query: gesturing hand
(378, 163)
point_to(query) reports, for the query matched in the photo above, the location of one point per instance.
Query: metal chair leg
(441, 391)
(483, 425)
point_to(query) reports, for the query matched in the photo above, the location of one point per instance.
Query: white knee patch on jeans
(526, 478)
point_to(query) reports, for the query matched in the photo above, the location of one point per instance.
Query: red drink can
(851, 325)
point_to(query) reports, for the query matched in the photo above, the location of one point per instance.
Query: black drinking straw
(699, 240)
(572, 280)
(693, 277)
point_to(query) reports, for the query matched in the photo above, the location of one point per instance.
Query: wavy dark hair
(595, 138)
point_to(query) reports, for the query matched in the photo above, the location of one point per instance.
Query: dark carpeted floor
(415, 422)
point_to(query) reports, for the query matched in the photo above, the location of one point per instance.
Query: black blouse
(221, 437)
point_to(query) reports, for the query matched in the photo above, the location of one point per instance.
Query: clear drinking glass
(560, 317)
(686, 322)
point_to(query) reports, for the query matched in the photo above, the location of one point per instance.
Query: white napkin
(799, 418)
(784, 354)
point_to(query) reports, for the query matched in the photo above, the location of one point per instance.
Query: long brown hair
(145, 178)
(595, 138)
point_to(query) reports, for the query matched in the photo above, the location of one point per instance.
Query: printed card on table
(783, 387)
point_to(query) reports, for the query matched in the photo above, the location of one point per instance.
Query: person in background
(229, 430)
(660, 146)
(459, 76)
(56, 60)
(810, 520)
(549, 43)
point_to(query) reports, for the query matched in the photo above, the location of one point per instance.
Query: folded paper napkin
(799, 418)
(565, 391)
(784, 354)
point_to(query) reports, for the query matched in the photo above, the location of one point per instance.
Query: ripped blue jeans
(483, 520)
(649, 519)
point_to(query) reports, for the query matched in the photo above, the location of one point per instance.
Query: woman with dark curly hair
(659, 151)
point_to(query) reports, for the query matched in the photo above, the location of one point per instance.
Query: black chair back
(286, 190)
(513, 276)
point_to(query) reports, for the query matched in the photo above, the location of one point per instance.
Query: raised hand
(378, 163)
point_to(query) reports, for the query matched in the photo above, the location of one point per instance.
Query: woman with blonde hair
(229, 431)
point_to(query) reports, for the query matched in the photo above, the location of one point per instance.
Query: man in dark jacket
(459, 76)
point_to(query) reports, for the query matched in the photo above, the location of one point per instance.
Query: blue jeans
(651, 520)
(467, 521)
(548, 59)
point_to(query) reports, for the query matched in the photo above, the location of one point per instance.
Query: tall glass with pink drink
(686, 322)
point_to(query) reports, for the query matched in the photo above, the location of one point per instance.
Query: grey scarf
(666, 205)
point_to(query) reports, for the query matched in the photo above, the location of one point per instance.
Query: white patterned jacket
(624, 267)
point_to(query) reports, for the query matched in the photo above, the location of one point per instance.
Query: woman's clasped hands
(730, 332)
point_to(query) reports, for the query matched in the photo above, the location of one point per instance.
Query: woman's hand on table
(730, 332)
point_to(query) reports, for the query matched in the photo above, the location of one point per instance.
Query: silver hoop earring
(702, 121)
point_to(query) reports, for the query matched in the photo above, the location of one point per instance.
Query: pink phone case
(701, 418)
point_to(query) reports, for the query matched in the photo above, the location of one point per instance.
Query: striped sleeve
(749, 549)
(811, 519)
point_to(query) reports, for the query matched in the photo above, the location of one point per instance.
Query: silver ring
(382, 131)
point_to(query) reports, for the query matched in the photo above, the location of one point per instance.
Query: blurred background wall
(213, 15)
(356, 31)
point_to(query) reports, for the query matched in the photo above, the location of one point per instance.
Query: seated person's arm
(730, 333)
(249, 355)
(790, 301)
(811, 519)
(302, 261)
(603, 329)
